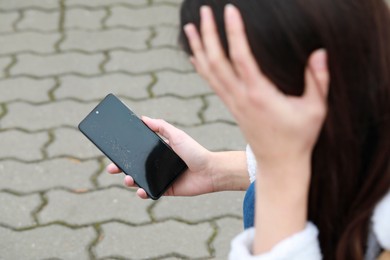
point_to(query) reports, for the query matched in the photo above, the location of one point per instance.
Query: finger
(113, 169)
(142, 194)
(317, 77)
(199, 56)
(226, 80)
(165, 129)
(129, 181)
(240, 52)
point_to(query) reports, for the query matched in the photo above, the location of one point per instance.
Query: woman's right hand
(197, 179)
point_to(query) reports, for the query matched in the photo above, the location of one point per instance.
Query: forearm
(281, 203)
(229, 171)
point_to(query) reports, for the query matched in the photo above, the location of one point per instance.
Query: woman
(321, 139)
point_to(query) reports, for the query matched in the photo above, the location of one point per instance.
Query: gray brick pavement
(58, 58)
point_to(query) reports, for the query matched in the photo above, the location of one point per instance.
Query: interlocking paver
(22, 146)
(156, 240)
(4, 62)
(144, 17)
(216, 110)
(28, 41)
(141, 62)
(184, 85)
(7, 21)
(217, 136)
(16, 210)
(16, 5)
(84, 19)
(196, 209)
(54, 242)
(70, 142)
(39, 20)
(227, 230)
(46, 175)
(94, 207)
(105, 40)
(166, 36)
(99, 3)
(94, 88)
(58, 59)
(49, 65)
(26, 89)
(67, 113)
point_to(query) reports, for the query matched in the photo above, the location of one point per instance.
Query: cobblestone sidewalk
(58, 58)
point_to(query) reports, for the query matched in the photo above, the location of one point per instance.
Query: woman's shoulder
(381, 221)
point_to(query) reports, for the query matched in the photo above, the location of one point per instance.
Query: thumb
(317, 76)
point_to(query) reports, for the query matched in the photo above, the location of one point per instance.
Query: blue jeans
(249, 207)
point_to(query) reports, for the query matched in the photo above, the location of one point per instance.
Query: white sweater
(304, 245)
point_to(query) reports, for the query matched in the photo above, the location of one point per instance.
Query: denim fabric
(249, 207)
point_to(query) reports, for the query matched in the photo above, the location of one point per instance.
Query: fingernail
(319, 59)
(204, 12)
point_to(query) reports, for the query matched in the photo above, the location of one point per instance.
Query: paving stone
(23, 146)
(184, 85)
(216, 110)
(141, 62)
(26, 89)
(28, 41)
(95, 207)
(166, 36)
(99, 3)
(217, 136)
(95, 88)
(72, 143)
(67, 113)
(167, 1)
(196, 209)
(50, 65)
(17, 5)
(171, 109)
(228, 228)
(4, 62)
(16, 210)
(143, 17)
(54, 242)
(84, 19)
(7, 20)
(106, 40)
(39, 20)
(154, 240)
(57, 173)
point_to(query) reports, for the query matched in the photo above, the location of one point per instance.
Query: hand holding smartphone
(132, 146)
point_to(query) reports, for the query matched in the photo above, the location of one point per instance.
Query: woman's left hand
(278, 127)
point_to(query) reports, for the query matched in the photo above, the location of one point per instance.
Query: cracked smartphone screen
(132, 146)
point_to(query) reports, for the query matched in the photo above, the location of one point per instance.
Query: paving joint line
(7, 69)
(210, 241)
(44, 202)
(56, 86)
(151, 85)
(104, 20)
(95, 176)
(18, 20)
(99, 236)
(50, 141)
(4, 111)
(152, 36)
(106, 60)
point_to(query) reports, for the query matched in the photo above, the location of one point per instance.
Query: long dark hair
(350, 163)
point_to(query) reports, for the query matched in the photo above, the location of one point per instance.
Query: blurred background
(58, 59)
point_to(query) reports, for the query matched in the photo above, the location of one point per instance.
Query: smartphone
(132, 146)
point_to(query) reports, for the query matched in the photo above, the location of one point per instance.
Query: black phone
(132, 146)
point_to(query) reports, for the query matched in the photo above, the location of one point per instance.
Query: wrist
(228, 171)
